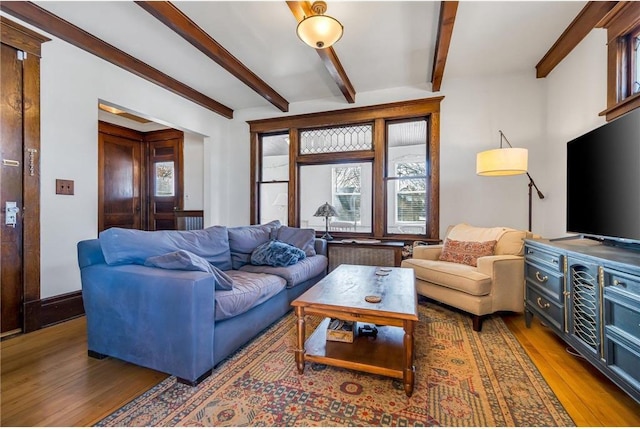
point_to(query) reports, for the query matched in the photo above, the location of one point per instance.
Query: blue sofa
(186, 321)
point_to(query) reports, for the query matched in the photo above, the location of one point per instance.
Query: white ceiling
(385, 44)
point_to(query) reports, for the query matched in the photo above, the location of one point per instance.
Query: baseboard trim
(56, 309)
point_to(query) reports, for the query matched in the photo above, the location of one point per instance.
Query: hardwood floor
(48, 380)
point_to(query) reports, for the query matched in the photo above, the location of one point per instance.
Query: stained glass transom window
(337, 139)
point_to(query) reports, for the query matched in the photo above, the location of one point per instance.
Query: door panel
(165, 178)
(120, 183)
(11, 138)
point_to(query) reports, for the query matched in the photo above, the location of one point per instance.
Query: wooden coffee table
(341, 295)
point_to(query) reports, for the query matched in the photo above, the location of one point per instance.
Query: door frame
(29, 41)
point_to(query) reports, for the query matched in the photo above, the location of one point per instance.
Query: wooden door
(11, 138)
(120, 178)
(166, 179)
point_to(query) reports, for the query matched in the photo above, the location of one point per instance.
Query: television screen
(603, 180)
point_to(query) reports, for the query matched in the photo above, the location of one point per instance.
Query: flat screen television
(603, 182)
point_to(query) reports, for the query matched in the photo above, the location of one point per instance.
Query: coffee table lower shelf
(383, 355)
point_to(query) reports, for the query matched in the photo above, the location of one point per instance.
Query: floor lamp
(506, 161)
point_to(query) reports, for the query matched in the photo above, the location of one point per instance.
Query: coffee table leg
(409, 370)
(301, 339)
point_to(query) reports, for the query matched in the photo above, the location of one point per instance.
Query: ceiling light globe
(319, 31)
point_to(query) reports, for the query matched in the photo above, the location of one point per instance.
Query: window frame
(621, 24)
(379, 116)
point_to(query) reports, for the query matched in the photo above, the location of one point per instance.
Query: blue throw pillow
(187, 261)
(276, 254)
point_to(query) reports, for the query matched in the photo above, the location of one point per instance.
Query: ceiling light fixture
(319, 31)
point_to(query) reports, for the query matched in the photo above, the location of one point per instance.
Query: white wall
(193, 152)
(72, 82)
(577, 92)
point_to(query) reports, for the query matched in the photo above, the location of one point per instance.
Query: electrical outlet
(64, 187)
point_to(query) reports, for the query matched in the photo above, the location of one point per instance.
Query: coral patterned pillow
(466, 252)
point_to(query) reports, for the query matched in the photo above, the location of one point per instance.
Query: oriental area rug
(463, 378)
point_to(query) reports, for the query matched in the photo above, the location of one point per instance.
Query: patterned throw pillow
(466, 252)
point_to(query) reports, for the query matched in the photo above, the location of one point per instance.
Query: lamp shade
(502, 162)
(325, 210)
(319, 31)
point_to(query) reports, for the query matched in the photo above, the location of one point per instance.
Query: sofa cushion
(132, 246)
(466, 252)
(276, 254)
(302, 238)
(244, 239)
(187, 261)
(464, 278)
(293, 274)
(249, 290)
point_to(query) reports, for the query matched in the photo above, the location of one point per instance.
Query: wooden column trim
(254, 162)
(23, 39)
(379, 221)
(294, 179)
(433, 230)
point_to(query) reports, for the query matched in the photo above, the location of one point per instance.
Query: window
(635, 63)
(377, 166)
(165, 183)
(346, 193)
(407, 176)
(274, 178)
(411, 192)
(623, 71)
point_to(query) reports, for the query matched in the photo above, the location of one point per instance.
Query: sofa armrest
(507, 277)
(160, 319)
(320, 245)
(431, 252)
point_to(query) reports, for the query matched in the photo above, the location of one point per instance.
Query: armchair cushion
(463, 278)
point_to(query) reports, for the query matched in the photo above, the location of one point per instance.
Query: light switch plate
(64, 187)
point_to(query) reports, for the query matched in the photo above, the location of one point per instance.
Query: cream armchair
(496, 283)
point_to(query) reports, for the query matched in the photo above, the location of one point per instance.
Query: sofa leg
(194, 383)
(96, 355)
(477, 322)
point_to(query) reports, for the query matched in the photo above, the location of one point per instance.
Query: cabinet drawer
(623, 314)
(547, 280)
(552, 260)
(622, 358)
(542, 305)
(622, 281)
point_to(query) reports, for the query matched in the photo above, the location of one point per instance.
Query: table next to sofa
(342, 295)
(588, 293)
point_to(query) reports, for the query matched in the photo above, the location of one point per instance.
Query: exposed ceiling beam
(173, 18)
(300, 9)
(586, 20)
(52, 24)
(448, 10)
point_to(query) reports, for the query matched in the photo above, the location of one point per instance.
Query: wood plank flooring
(48, 380)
